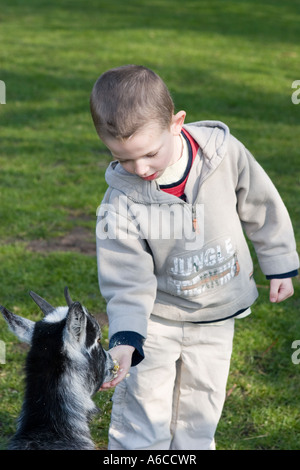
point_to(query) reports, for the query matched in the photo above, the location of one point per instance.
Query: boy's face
(148, 152)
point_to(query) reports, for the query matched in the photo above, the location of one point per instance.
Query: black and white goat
(65, 366)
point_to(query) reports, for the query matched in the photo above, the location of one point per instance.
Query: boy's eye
(151, 155)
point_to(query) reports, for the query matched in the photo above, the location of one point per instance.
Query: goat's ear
(42, 303)
(68, 297)
(21, 327)
(76, 322)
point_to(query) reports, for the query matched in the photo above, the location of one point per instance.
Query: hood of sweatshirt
(212, 137)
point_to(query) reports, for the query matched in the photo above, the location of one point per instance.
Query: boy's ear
(177, 122)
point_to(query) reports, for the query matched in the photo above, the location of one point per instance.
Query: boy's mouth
(151, 177)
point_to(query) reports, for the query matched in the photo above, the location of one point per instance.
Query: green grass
(234, 61)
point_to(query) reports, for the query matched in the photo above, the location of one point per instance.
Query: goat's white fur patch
(57, 315)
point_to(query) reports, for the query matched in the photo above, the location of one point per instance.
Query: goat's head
(71, 333)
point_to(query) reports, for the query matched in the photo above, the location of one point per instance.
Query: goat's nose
(109, 366)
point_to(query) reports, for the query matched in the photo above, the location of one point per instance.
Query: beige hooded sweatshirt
(189, 260)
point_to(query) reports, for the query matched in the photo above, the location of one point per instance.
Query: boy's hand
(123, 355)
(281, 289)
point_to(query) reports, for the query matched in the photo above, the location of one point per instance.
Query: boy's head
(126, 99)
(133, 113)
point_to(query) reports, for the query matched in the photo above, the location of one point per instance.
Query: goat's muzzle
(109, 368)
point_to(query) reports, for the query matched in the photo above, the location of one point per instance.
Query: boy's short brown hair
(125, 99)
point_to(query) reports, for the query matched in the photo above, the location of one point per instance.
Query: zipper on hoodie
(195, 225)
(194, 220)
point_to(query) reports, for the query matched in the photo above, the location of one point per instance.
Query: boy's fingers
(274, 288)
(280, 289)
(121, 375)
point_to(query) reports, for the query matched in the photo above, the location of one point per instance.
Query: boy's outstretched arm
(281, 289)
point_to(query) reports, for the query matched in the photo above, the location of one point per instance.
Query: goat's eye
(99, 340)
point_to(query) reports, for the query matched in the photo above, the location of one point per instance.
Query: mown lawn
(233, 61)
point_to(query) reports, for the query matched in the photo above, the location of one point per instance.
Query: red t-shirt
(177, 188)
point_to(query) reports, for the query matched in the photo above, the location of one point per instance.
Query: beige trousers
(174, 398)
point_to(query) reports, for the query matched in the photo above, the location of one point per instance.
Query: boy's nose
(140, 169)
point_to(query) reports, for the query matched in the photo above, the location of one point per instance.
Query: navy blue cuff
(283, 276)
(131, 338)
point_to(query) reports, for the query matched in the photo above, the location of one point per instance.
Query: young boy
(173, 262)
